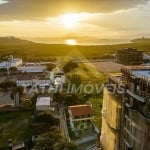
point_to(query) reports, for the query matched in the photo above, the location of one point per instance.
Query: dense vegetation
(69, 66)
(14, 125)
(46, 125)
(53, 140)
(28, 50)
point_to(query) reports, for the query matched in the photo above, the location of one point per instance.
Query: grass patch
(23, 48)
(89, 73)
(97, 107)
(14, 125)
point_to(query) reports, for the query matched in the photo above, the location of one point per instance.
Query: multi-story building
(12, 62)
(130, 56)
(126, 110)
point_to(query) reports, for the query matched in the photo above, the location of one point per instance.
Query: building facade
(11, 62)
(131, 90)
(130, 56)
(32, 80)
(32, 69)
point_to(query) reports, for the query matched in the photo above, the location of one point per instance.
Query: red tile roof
(79, 110)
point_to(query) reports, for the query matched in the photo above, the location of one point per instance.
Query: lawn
(88, 73)
(15, 126)
(97, 107)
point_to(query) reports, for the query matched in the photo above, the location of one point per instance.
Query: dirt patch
(107, 67)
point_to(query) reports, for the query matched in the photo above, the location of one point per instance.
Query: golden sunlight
(69, 20)
(71, 42)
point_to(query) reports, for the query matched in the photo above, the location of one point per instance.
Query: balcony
(135, 96)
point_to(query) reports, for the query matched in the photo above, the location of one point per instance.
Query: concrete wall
(137, 130)
(110, 121)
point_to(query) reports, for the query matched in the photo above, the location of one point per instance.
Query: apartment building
(126, 110)
(130, 56)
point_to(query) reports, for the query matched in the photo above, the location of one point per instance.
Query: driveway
(63, 124)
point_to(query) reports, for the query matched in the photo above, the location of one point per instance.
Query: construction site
(126, 110)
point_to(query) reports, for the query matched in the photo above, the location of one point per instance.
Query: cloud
(3, 2)
(137, 19)
(40, 9)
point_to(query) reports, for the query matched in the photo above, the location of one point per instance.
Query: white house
(24, 81)
(80, 116)
(30, 80)
(32, 69)
(12, 62)
(42, 82)
(44, 103)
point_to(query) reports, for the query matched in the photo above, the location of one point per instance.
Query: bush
(27, 103)
(54, 140)
(70, 66)
(46, 117)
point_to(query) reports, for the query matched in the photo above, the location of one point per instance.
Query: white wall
(13, 63)
(32, 69)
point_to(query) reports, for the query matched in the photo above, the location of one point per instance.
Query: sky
(80, 19)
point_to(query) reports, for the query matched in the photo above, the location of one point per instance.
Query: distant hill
(10, 40)
(141, 40)
(23, 48)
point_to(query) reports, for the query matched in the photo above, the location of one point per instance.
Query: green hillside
(24, 48)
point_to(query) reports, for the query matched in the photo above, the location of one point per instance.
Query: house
(11, 62)
(24, 80)
(41, 81)
(80, 116)
(32, 69)
(44, 103)
(33, 80)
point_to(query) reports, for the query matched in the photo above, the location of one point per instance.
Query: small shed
(44, 103)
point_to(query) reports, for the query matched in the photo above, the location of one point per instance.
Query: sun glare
(69, 20)
(71, 42)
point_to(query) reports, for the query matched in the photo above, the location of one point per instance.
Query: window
(82, 116)
(88, 115)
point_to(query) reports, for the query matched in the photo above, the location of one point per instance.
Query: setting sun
(71, 42)
(69, 20)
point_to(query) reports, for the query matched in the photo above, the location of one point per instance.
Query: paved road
(63, 123)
